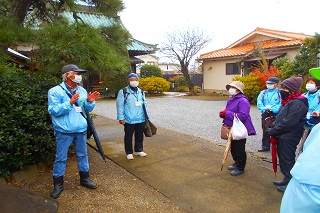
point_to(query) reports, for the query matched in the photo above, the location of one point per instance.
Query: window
(232, 68)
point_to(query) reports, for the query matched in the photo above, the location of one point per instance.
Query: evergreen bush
(148, 70)
(26, 133)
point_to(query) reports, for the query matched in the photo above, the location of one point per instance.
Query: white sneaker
(130, 157)
(141, 154)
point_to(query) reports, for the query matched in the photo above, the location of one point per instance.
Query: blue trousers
(63, 142)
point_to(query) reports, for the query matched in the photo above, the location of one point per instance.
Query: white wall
(214, 75)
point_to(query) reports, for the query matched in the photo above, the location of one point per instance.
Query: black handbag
(149, 128)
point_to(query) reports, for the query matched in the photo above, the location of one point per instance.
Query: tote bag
(238, 131)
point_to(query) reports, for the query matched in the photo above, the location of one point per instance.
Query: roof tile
(239, 48)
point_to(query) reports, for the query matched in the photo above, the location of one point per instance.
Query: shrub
(174, 79)
(182, 89)
(255, 82)
(197, 90)
(26, 133)
(148, 70)
(182, 81)
(154, 84)
(252, 88)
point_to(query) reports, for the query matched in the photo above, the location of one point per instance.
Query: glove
(268, 113)
(222, 113)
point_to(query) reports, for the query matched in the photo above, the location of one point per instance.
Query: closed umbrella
(303, 139)
(274, 141)
(91, 126)
(95, 135)
(226, 151)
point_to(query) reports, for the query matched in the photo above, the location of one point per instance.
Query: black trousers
(137, 130)
(265, 135)
(286, 150)
(238, 152)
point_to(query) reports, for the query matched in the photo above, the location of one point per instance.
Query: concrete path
(186, 169)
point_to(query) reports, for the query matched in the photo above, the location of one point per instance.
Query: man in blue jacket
(67, 102)
(131, 112)
(268, 102)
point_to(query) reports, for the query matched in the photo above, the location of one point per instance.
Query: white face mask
(270, 86)
(77, 79)
(311, 87)
(134, 83)
(232, 91)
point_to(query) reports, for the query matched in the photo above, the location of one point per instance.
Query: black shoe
(236, 172)
(263, 150)
(85, 181)
(281, 188)
(233, 167)
(58, 187)
(282, 182)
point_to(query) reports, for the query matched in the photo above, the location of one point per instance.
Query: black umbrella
(95, 135)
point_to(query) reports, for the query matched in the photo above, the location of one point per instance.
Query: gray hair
(64, 77)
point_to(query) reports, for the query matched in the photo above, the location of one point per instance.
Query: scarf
(290, 97)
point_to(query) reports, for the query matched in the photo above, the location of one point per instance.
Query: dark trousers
(265, 135)
(286, 150)
(137, 130)
(238, 152)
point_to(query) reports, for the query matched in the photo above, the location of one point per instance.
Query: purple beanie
(293, 84)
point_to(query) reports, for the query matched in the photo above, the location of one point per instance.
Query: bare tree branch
(182, 45)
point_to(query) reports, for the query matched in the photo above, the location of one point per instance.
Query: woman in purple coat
(239, 104)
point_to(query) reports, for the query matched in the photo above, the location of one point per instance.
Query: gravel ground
(199, 118)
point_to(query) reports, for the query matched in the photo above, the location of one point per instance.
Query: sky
(225, 21)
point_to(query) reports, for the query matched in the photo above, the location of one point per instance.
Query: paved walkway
(186, 169)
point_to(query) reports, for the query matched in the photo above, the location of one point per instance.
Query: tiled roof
(97, 20)
(243, 47)
(141, 46)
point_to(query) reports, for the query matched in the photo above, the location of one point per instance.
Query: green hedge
(26, 133)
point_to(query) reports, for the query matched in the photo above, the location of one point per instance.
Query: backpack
(125, 94)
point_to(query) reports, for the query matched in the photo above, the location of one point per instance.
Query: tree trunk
(20, 9)
(185, 72)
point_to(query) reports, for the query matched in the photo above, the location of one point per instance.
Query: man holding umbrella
(268, 103)
(67, 104)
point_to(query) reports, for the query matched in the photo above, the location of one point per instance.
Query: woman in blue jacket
(131, 108)
(238, 104)
(312, 85)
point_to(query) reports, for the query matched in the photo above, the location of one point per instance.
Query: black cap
(72, 67)
(272, 80)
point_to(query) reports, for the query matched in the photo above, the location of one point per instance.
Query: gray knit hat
(293, 84)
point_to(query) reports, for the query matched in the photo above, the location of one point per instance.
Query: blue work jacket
(64, 116)
(269, 100)
(130, 106)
